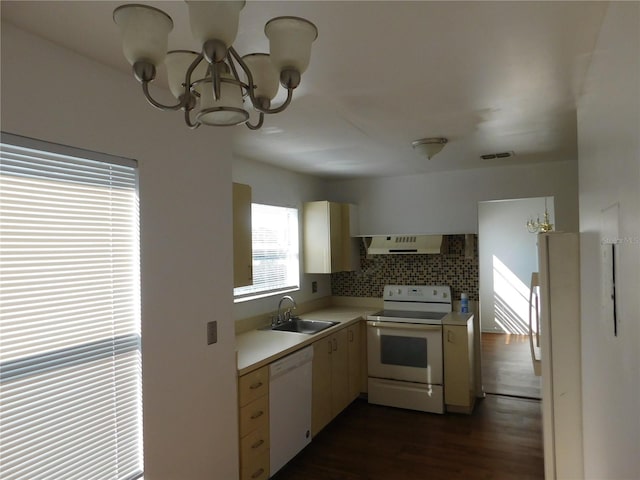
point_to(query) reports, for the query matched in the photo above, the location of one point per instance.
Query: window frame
(54, 166)
(247, 292)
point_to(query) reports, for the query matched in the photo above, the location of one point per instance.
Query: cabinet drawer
(253, 385)
(255, 468)
(254, 416)
(254, 444)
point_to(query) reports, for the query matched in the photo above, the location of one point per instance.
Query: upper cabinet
(328, 243)
(242, 251)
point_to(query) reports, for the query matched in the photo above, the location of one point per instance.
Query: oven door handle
(404, 326)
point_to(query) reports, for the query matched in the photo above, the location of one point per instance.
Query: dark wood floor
(506, 366)
(501, 440)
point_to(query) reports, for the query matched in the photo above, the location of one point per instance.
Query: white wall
(274, 186)
(609, 159)
(447, 202)
(189, 388)
(507, 256)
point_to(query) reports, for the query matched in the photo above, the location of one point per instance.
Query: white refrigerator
(554, 329)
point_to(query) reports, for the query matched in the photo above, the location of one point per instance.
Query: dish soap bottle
(464, 303)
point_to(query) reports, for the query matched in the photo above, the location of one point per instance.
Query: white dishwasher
(289, 406)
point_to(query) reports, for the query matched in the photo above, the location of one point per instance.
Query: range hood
(407, 244)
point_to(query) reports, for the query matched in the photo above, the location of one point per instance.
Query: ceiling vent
(491, 156)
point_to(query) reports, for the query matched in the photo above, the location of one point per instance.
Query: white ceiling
(489, 76)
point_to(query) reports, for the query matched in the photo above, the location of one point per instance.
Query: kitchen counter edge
(257, 348)
(457, 318)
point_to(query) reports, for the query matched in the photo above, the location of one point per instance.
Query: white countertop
(457, 318)
(257, 348)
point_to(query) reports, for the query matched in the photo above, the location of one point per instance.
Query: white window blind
(70, 354)
(276, 264)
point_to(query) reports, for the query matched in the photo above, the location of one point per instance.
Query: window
(70, 359)
(276, 264)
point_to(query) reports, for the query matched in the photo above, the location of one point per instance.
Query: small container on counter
(464, 303)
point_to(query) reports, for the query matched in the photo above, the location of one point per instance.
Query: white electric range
(405, 347)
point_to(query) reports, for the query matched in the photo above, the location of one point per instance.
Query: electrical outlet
(314, 287)
(212, 333)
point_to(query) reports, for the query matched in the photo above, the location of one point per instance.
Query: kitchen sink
(300, 325)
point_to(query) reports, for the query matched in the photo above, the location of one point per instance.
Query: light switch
(212, 333)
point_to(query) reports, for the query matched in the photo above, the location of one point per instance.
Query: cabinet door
(242, 249)
(321, 385)
(457, 383)
(317, 244)
(339, 372)
(336, 244)
(328, 246)
(354, 348)
(253, 385)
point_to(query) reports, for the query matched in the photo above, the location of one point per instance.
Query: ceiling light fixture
(537, 226)
(429, 146)
(208, 83)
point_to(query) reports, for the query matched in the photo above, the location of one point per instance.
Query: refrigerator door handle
(537, 306)
(537, 366)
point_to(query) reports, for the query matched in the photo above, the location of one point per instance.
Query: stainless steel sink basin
(300, 325)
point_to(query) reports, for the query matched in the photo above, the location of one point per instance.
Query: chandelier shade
(265, 76)
(228, 110)
(211, 85)
(290, 40)
(145, 32)
(215, 20)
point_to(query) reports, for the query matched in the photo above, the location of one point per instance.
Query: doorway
(507, 257)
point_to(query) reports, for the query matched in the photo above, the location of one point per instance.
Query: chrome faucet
(283, 317)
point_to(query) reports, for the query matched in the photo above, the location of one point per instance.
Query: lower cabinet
(336, 375)
(356, 360)
(459, 395)
(336, 382)
(253, 397)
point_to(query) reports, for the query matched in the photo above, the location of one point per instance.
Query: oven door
(405, 351)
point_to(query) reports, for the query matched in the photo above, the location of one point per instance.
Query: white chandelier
(207, 83)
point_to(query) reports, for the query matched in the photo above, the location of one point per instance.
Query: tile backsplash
(452, 267)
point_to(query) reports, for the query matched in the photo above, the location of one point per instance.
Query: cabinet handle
(253, 386)
(335, 344)
(350, 335)
(250, 273)
(257, 415)
(257, 444)
(330, 349)
(258, 473)
(450, 336)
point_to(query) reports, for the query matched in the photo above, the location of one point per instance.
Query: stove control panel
(417, 293)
